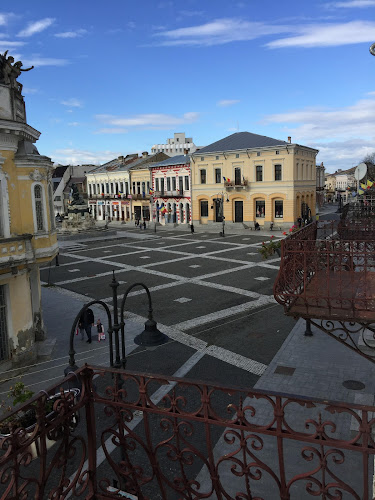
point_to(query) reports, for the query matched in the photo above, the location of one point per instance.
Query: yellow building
(27, 227)
(249, 178)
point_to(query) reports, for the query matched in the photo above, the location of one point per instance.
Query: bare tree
(370, 158)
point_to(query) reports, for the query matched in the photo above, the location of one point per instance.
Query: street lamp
(221, 213)
(150, 336)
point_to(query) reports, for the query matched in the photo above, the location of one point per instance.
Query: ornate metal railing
(327, 277)
(168, 438)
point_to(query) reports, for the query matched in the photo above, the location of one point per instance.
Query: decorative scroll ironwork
(324, 276)
(168, 438)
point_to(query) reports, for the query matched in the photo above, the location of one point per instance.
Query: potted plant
(26, 418)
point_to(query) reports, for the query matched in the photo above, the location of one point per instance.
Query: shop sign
(100, 202)
(114, 202)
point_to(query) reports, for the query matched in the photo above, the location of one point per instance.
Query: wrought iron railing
(325, 276)
(168, 438)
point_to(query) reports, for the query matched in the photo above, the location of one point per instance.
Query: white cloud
(29, 90)
(111, 131)
(45, 61)
(72, 103)
(36, 27)
(350, 4)
(5, 16)
(149, 120)
(78, 157)
(71, 34)
(131, 25)
(8, 45)
(343, 135)
(328, 35)
(220, 31)
(73, 124)
(227, 102)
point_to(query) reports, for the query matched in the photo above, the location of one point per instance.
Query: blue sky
(116, 77)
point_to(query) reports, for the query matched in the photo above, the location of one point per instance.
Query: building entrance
(238, 211)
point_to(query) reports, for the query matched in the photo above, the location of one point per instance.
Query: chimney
(121, 159)
(145, 154)
(289, 140)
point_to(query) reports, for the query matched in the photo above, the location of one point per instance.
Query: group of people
(86, 322)
(141, 225)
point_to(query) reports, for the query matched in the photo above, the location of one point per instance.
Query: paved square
(182, 300)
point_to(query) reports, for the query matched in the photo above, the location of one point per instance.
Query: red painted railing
(162, 437)
(328, 271)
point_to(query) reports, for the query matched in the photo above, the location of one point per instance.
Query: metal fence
(328, 271)
(159, 437)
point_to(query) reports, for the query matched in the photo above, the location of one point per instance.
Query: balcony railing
(328, 272)
(140, 196)
(16, 250)
(169, 194)
(154, 437)
(236, 184)
(108, 197)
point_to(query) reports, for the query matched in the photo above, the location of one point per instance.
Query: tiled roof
(238, 141)
(175, 160)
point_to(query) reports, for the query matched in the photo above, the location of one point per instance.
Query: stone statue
(10, 71)
(76, 196)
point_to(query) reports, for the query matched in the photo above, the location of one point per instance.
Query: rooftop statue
(10, 71)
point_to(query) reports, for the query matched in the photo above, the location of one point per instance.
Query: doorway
(238, 211)
(218, 210)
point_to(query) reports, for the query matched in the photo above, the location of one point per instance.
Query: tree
(370, 158)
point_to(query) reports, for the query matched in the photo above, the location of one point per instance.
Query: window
(173, 183)
(237, 177)
(156, 184)
(148, 187)
(126, 188)
(204, 208)
(168, 183)
(217, 157)
(4, 350)
(202, 158)
(187, 187)
(277, 152)
(112, 191)
(259, 173)
(93, 188)
(133, 187)
(237, 155)
(177, 139)
(143, 188)
(107, 187)
(260, 208)
(258, 154)
(57, 198)
(203, 176)
(218, 175)
(38, 195)
(51, 209)
(277, 172)
(279, 209)
(139, 187)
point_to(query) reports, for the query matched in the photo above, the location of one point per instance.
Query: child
(100, 328)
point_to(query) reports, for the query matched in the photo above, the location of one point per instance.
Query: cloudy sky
(117, 77)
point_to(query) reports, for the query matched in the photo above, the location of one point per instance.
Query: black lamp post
(150, 336)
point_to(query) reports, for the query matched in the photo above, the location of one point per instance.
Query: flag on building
(360, 191)
(224, 179)
(151, 191)
(363, 186)
(369, 184)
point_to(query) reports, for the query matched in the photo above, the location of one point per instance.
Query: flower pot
(34, 447)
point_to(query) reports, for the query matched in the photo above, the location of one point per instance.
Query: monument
(79, 218)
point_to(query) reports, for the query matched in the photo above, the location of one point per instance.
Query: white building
(178, 145)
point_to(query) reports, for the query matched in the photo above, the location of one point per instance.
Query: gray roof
(26, 148)
(240, 140)
(117, 165)
(175, 160)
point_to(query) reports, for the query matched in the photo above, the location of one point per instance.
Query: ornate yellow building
(249, 178)
(27, 227)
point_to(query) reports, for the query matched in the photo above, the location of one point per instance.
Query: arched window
(51, 209)
(38, 200)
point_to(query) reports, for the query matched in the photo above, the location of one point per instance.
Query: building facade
(248, 178)
(27, 226)
(320, 184)
(176, 145)
(119, 189)
(171, 186)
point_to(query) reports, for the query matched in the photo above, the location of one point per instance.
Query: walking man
(86, 321)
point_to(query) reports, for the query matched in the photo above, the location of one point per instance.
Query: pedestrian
(86, 321)
(100, 329)
(192, 228)
(257, 226)
(144, 224)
